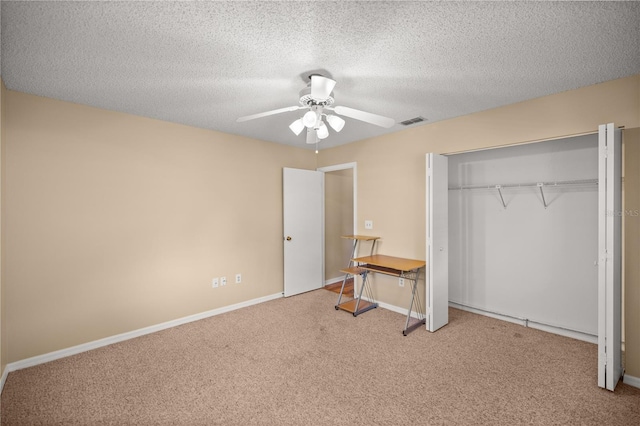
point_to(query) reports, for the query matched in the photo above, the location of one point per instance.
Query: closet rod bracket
(499, 188)
(544, 201)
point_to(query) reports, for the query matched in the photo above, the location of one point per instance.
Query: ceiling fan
(317, 98)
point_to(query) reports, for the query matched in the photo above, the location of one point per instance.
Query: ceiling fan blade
(312, 136)
(267, 113)
(368, 117)
(321, 87)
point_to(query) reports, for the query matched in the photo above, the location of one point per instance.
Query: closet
(531, 234)
(523, 234)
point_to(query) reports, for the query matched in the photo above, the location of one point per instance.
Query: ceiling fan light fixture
(323, 131)
(335, 122)
(297, 126)
(309, 119)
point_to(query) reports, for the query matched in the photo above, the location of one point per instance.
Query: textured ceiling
(205, 64)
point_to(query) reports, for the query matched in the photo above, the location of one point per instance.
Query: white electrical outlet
(238, 278)
(214, 283)
(223, 281)
(401, 282)
(368, 224)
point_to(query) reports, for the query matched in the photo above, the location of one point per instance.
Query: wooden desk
(409, 269)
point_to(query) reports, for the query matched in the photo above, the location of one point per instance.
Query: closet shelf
(528, 185)
(539, 185)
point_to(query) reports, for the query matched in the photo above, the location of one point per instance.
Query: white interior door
(437, 269)
(303, 210)
(610, 250)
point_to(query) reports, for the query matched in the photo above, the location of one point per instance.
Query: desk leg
(364, 282)
(344, 280)
(408, 328)
(367, 306)
(357, 306)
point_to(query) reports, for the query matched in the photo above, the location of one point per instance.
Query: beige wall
(3, 334)
(338, 205)
(115, 222)
(391, 170)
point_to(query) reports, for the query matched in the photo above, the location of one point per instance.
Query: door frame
(335, 168)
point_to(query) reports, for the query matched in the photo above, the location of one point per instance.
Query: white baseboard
(333, 280)
(585, 337)
(543, 327)
(631, 381)
(393, 308)
(3, 379)
(51, 356)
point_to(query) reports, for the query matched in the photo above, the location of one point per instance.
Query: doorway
(340, 219)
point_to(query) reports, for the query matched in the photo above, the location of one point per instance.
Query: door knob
(288, 238)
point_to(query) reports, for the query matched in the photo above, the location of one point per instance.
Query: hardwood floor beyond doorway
(335, 287)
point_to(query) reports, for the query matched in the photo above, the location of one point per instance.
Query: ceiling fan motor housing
(307, 100)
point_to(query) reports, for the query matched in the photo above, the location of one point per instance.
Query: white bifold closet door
(437, 269)
(610, 253)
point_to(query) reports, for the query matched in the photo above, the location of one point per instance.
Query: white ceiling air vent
(411, 121)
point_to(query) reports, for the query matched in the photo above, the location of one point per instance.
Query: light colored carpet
(297, 361)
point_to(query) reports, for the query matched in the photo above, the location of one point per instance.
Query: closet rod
(527, 185)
